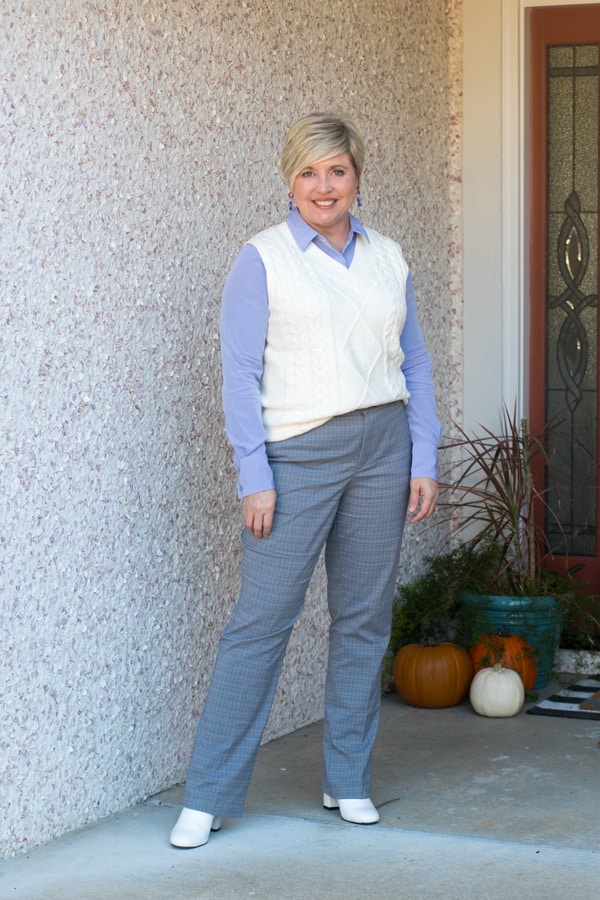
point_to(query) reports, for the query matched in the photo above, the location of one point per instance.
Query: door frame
(515, 195)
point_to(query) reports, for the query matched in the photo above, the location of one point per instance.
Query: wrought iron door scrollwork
(573, 255)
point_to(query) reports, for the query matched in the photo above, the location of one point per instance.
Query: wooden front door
(564, 326)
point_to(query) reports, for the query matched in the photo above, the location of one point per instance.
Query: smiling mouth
(324, 204)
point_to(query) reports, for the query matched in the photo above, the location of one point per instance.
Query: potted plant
(498, 508)
(500, 574)
(580, 641)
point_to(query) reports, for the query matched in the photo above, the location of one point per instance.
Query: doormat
(579, 701)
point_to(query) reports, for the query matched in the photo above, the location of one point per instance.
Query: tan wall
(482, 209)
(139, 149)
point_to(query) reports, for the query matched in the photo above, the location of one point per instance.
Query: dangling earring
(358, 200)
(291, 199)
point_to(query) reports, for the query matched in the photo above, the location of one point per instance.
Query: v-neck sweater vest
(333, 336)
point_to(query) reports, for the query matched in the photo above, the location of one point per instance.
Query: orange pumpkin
(432, 676)
(510, 650)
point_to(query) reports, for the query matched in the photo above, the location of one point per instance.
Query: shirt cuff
(254, 473)
(425, 462)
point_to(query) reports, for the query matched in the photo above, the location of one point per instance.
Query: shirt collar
(303, 233)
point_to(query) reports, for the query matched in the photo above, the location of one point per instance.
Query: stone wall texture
(139, 148)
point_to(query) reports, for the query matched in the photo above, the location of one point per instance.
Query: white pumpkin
(497, 692)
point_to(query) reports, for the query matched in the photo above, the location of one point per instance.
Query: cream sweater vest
(333, 338)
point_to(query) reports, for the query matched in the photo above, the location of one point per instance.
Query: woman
(330, 409)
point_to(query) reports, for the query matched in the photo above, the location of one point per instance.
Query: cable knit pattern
(333, 342)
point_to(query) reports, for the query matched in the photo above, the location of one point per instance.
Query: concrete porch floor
(470, 808)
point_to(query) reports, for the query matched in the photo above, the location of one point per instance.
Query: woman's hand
(424, 493)
(258, 512)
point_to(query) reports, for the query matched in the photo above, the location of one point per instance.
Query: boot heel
(329, 802)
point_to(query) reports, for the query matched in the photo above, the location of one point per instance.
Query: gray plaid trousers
(343, 485)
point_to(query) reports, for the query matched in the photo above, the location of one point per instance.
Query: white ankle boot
(361, 812)
(193, 828)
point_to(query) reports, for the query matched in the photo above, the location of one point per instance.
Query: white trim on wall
(515, 189)
(513, 325)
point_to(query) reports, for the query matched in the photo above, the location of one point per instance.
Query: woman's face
(324, 193)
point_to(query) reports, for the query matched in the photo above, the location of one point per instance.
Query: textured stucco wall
(138, 148)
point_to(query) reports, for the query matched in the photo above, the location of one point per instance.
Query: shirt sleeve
(425, 431)
(244, 319)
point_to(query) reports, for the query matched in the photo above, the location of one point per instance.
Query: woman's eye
(340, 172)
(306, 174)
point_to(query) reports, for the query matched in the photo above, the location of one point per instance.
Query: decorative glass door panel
(564, 378)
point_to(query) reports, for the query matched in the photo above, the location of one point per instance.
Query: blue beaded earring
(358, 200)
(291, 203)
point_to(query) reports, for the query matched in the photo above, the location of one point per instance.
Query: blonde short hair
(317, 137)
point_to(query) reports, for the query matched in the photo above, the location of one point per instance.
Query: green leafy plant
(427, 610)
(582, 623)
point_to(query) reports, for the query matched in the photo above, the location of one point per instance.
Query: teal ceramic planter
(537, 619)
